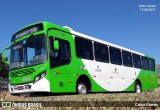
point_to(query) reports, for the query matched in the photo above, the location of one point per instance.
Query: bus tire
(82, 87)
(138, 88)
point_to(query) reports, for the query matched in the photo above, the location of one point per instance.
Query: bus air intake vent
(20, 73)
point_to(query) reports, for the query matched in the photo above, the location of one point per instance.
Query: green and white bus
(45, 57)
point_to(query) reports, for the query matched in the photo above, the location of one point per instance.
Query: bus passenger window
(84, 48)
(101, 53)
(137, 61)
(151, 64)
(115, 56)
(62, 55)
(145, 65)
(127, 58)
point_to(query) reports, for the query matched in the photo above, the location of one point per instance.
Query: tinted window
(151, 64)
(61, 56)
(84, 48)
(101, 52)
(145, 65)
(137, 61)
(115, 56)
(127, 59)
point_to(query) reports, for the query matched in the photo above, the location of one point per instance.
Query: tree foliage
(4, 68)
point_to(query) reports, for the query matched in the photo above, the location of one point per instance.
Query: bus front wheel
(138, 88)
(82, 87)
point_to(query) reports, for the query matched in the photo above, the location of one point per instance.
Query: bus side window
(115, 56)
(137, 61)
(127, 59)
(151, 64)
(101, 52)
(62, 55)
(145, 65)
(84, 48)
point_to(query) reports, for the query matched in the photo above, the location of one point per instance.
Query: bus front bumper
(40, 86)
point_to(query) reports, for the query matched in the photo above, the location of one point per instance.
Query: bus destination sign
(30, 31)
(26, 31)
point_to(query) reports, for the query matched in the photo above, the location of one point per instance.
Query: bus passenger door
(60, 61)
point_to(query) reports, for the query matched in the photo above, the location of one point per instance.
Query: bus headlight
(43, 75)
(40, 76)
(37, 79)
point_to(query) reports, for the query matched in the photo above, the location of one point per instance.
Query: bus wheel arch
(83, 84)
(138, 86)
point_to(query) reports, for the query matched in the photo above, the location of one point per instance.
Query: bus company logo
(98, 69)
(26, 79)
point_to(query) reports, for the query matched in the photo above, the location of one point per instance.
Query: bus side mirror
(56, 45)
(4, 58)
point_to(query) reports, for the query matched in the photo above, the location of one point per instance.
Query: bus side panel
(105, 76)
(131, 87)
(103, 81)
(66, 80)
(148, 79)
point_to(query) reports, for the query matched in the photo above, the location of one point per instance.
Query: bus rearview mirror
(4, 58)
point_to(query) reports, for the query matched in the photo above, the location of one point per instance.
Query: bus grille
(20, 73)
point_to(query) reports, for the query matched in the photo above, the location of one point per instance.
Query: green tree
(4, 68)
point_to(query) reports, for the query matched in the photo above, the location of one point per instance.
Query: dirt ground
(144, 96)
(120, 97)
(153, 95)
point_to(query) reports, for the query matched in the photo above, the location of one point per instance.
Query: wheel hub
(82, 88)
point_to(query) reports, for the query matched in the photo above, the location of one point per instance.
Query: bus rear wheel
(82, 87)
(138, 87)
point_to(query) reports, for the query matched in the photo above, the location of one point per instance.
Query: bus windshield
(28, 52)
